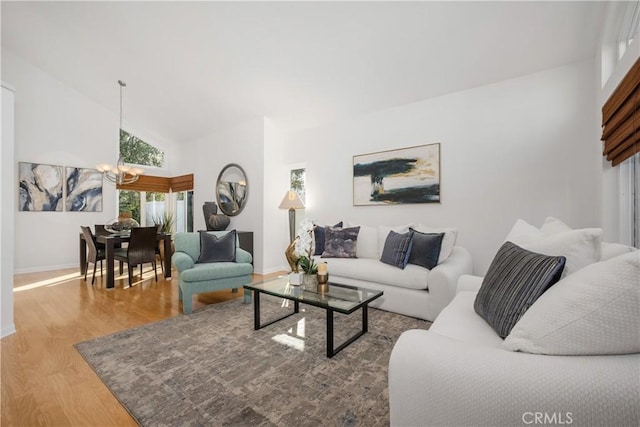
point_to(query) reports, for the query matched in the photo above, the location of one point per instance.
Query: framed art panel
(407, 175)
(40, 187)
(84, 190)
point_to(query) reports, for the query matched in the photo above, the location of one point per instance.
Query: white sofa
(458, 373)
(413, 291)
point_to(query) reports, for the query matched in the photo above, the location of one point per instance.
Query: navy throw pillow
(425, 249)
(217, 249)
(397, 248)
(319, 235)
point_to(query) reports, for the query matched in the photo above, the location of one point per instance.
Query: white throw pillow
(448, 242)
(383, 232)
(522, 232)
(367, 244)
(594, 311)
(554, 226)
(580, 247)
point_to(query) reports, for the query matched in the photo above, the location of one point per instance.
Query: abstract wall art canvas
(407, 175)
(40, 187)
(84, 190)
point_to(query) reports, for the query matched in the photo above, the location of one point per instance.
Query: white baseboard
(272, 270)
(47, 268)
(7, 330)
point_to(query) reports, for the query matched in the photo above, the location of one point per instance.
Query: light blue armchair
(196, 278)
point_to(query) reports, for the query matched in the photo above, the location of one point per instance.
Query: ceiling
(193, 68)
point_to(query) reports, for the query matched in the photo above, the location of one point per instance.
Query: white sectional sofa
(413, 291)
(572, 359)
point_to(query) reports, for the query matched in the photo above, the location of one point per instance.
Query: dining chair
(158, 251)
(94, 255)
(141, 249)
(100, 231)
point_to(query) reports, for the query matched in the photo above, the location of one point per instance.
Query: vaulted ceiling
(193, 68)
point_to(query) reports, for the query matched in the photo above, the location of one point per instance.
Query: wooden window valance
(621, 119)
(160, 184)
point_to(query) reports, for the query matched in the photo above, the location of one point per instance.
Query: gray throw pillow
(515, 280)
(217, 249)
(397, 248)
(340, 242)
(319, 234)
(425, 249)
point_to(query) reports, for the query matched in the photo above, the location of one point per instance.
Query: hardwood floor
(44, 380)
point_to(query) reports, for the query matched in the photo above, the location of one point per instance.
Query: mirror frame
(222, 206)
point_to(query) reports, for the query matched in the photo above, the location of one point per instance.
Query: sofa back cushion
(515, 280)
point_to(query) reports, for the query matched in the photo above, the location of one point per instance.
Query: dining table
(114, 241)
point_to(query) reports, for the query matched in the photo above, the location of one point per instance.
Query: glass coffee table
(338, 298)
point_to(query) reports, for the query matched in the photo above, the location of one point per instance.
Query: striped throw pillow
(515, 280)
(397, 248)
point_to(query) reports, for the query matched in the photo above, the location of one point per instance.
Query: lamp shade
(291, 200)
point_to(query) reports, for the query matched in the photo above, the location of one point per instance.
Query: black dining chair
(141, 250)
(95, 254)
(158, 251)
(100, 231)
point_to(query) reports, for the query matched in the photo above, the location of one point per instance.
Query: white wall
(523, 148)
(205, 157)
(7, 207)
(57, 125)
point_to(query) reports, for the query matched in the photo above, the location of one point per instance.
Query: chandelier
(120, 173)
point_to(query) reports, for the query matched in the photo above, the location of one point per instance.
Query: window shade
(621, 119)
(160, 184)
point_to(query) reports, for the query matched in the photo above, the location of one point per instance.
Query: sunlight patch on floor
(294, 337)
(54, 281)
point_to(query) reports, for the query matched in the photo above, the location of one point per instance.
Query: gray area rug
(211, 368)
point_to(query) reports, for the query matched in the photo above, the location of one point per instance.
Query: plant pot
(309, 280)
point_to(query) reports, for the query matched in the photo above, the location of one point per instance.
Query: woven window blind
(160, 184)
(621, 119)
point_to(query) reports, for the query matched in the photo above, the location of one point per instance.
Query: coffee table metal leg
(365, 327)
(256, 312)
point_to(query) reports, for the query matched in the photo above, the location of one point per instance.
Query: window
(298, 181)
(136, 151)
(629, 28)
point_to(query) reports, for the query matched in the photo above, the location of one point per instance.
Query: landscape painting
(407, 175)
(84, 190)
(40, 187)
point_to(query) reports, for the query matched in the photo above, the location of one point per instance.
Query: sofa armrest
(437, 380)
(444, 277)
(243, 256)
(467, 283)
(182, 261)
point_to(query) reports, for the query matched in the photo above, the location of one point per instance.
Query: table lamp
(292, 202)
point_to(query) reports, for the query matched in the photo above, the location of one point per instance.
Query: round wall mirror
(232, 189)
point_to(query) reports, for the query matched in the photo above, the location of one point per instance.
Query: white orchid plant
(304, 247)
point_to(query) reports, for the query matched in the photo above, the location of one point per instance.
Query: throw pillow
(554, 226)
(425, 249)
(397, 248)
(515, 280)
(448, 241)
(217, 248)
(319, 238)
(595, 311)
(383, 232)
(580, 247)
(522, 233)
(341, 242)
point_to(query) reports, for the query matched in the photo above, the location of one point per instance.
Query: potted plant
(165, 223)
(304, 250)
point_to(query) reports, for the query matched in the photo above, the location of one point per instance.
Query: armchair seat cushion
(218, 270)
